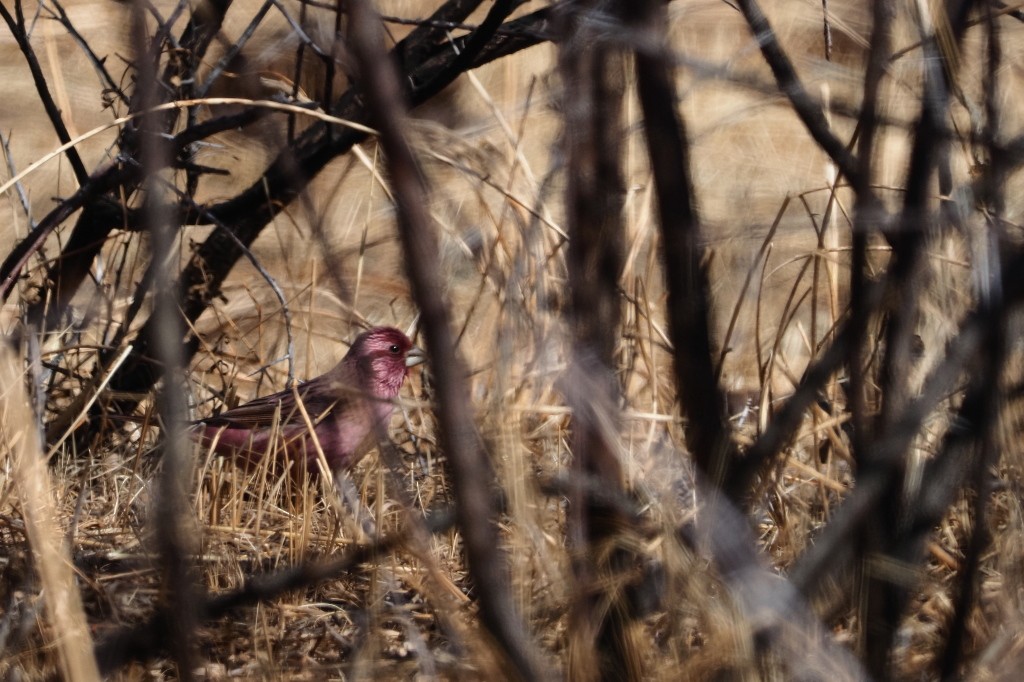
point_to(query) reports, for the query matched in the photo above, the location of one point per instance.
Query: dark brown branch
(475, 43)
(702, 401)
(198, 34)
(834, 547)
(204, 24)
(446, 25)
(992, 187)
(179, 583)
(472, 472)
(413, 50)
(884, 600)
(865, 219)
(601, 639)
(909, 237)
(513, 36)
(781, 617)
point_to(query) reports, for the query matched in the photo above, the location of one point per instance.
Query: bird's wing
(320, 397)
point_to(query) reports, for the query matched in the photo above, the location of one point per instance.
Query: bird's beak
(415, 356)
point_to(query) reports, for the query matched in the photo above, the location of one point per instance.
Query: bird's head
(383, 356)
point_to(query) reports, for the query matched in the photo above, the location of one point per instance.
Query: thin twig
(234, 50)
(26, 205)
(18, 30)
(97, 64)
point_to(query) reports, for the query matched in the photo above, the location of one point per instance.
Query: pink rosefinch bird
(345, 406)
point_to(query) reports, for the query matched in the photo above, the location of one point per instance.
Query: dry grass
(490, 150)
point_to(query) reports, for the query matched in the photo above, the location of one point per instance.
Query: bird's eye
(395, 349)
